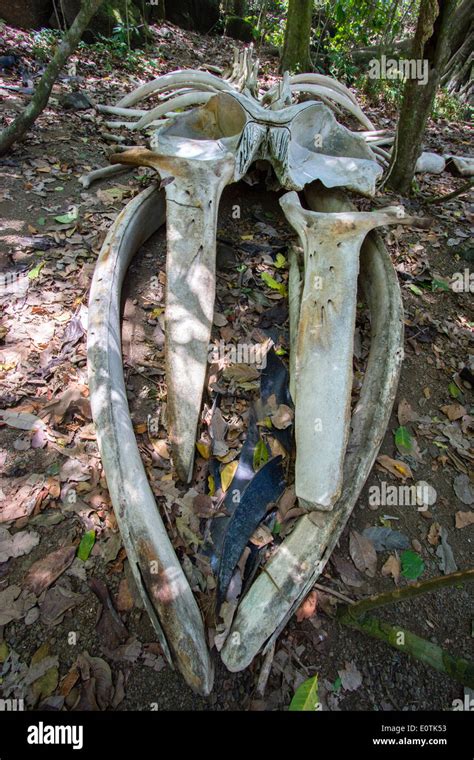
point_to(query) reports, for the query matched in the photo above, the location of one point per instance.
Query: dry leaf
(283, 417)
(454, 411)
(395, 466)
(363, 553)
(308, 608)
(406, 413)
(463, 519)
(45, 571)
(434, 534)
(392, 567)
(227, 474)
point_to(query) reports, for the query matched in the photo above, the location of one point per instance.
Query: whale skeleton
(196, 154)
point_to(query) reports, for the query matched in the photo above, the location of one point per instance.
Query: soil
(438, 345)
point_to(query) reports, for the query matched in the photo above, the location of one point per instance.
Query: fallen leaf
(464, 519)
(386, 539)
(434, 534)
(17, 545)
(406, 413)
(305, 698)
(395, 466)
(392, 567)
(241, 373)
(283, 417)
(454, 411)
(308, 608)
(445, 554)
(46, 570)
(351, 678)
(412, 565)
(362, 553)
(464, 489)
(227, 474)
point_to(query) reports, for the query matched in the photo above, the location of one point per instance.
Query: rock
(195, 15)
(27, 14)
(75, 101)
(239, 29)
(430, 163)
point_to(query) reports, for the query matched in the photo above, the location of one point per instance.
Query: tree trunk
(40, 98)
(430, 45)
(296, 56)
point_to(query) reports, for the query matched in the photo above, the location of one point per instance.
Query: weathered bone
(199, 169)
(202, 151)
(160, 580)
(324, 343)
(338, 97)
(170, 81)
(295, 567)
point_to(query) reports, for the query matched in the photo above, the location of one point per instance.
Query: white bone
(324, 344)
(341, 99)
(163, 586)
(176, 78)
(301, 558)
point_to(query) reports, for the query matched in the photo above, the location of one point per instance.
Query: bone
(192, 203)
(324, 343)
(175, 79)
(182, 101)
(158, 575)
(301, 558)
(86, 180)
(338, 97)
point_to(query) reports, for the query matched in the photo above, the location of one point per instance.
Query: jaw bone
(323, 344)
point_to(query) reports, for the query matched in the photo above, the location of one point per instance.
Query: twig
(442, 198)
(331, 592)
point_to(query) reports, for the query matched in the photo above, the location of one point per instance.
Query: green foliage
(305, 698)
(446, 106)
(44, 44)
(113, 53)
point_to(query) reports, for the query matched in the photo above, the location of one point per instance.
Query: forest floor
(57, 644)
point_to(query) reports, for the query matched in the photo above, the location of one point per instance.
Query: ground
(52, 487)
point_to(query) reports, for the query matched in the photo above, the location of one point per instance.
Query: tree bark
(40, 98)
(431, 44)
(296, 56)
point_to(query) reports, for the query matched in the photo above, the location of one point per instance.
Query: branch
(354, 616)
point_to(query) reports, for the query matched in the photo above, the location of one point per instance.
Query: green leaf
(337, 684)
(416, 290)
(33, 273)
(454, 391)
(412, 565)
(280, 261)
(260, 455)
(277, 529)
(85, 547)
(403, 441)
(41, 221)
(273, 284)
(305, 698)
(71, 216)
(439, 285)
(281, 351)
